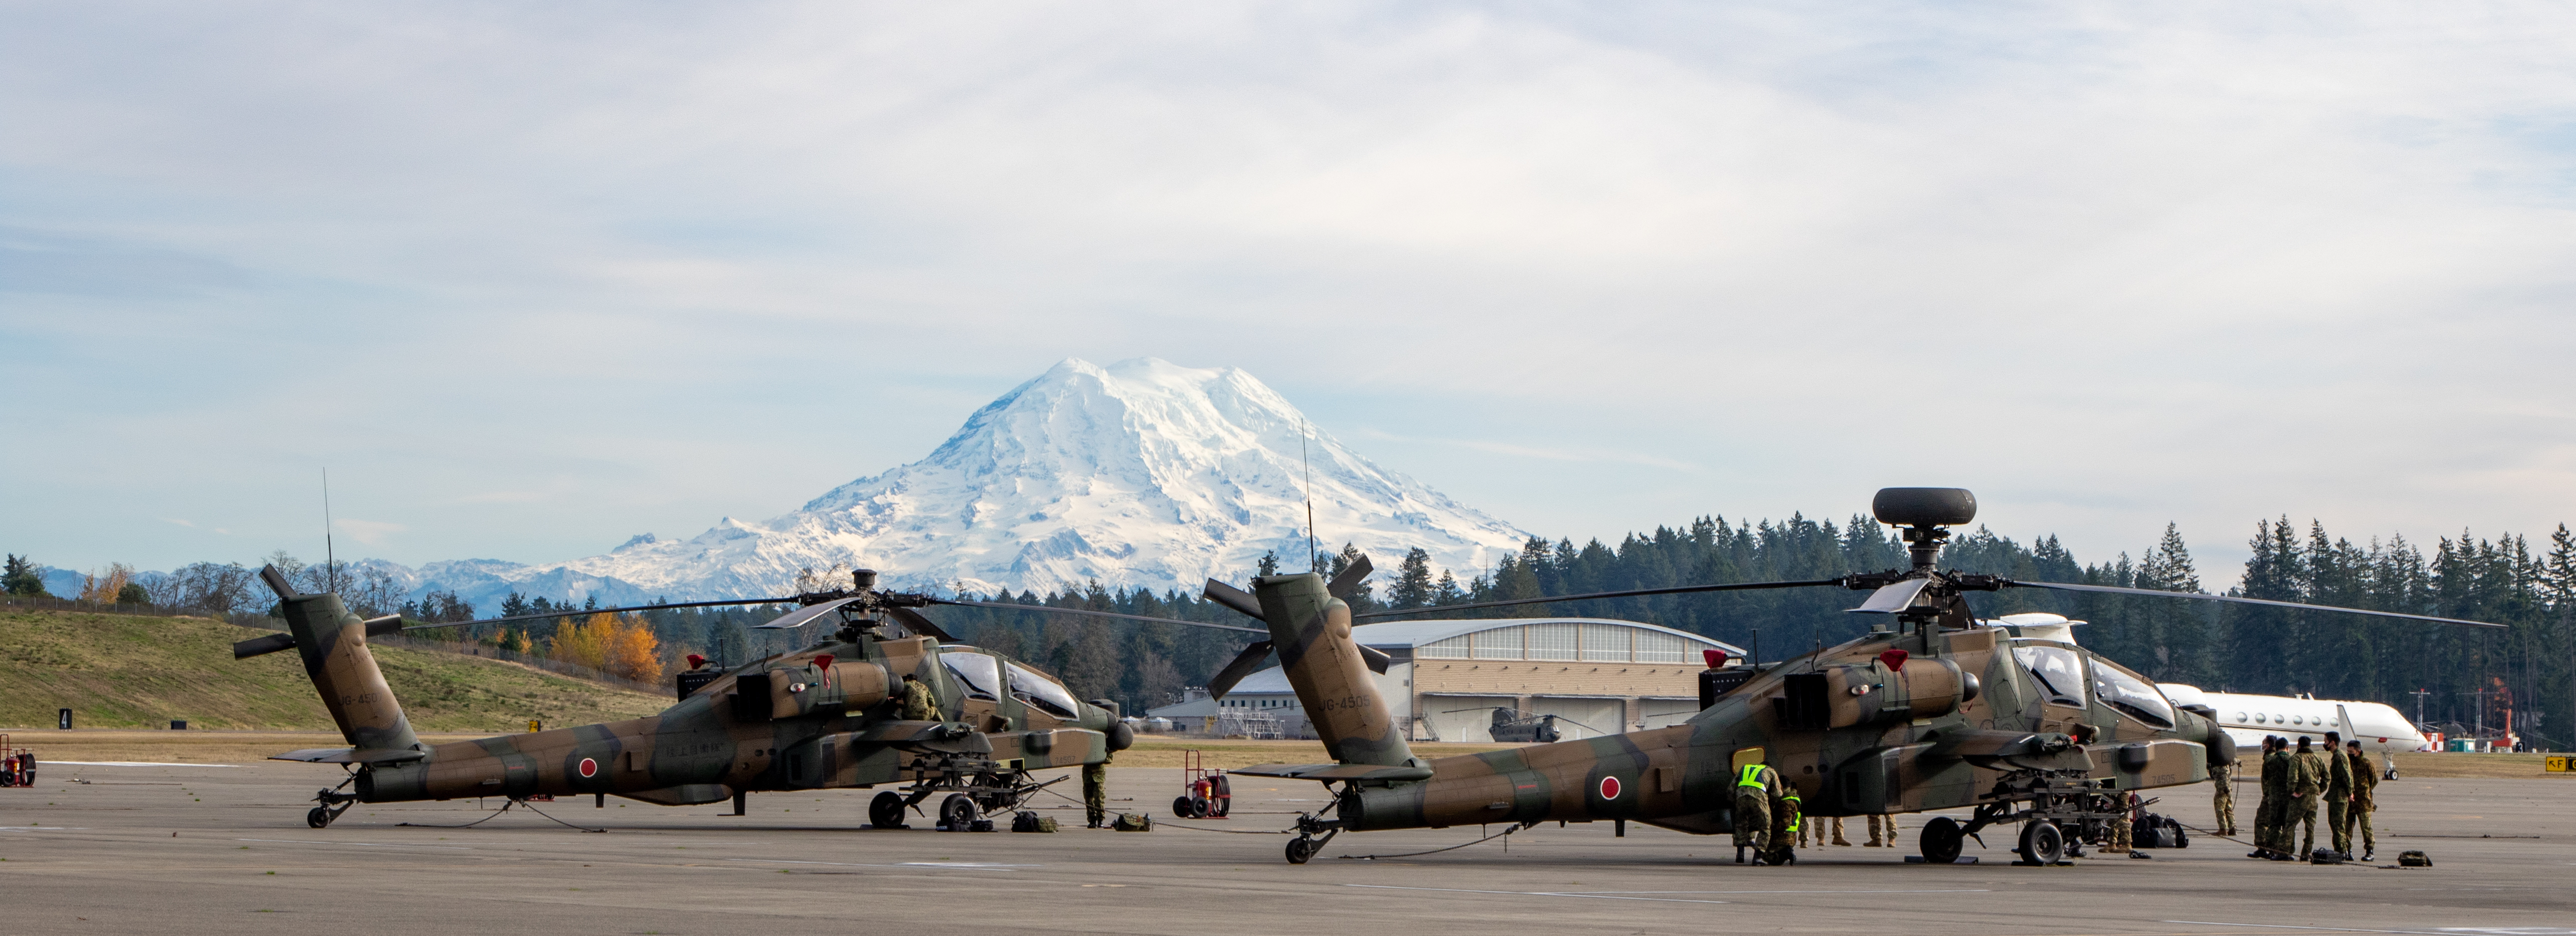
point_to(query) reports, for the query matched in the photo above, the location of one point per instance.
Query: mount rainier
(1141, 474)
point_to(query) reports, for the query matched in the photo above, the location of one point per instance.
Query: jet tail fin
(333, 643)
(1310, 629)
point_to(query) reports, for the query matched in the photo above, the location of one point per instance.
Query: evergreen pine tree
(21, 578)
(1412, 588)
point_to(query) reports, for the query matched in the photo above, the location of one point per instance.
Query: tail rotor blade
(1349, 581)
(258, 645)
(1376, 659)
(1244, 663)
(914, 622)
(1241, 601)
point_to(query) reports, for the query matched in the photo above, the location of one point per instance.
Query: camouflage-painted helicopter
(1930, 710)
(826, 716)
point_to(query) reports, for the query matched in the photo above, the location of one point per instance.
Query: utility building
(1596, 676)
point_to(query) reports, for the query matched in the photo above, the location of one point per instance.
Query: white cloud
(2112, 264)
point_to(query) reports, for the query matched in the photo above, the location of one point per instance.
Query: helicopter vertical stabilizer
(1311, 631)
(333, 643)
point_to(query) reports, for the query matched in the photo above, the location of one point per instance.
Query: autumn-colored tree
(620, 645)
(108, 585)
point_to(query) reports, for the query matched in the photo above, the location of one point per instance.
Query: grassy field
(118, 671)
(1164, 751)
(2507, 766)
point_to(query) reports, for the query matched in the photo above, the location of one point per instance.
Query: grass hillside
(119, 671)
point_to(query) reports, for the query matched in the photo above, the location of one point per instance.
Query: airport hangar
(1447, 677)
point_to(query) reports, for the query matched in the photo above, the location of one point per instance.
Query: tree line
(2452, 675)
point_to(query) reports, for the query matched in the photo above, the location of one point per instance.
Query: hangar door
(1665, 713)
(1583, 717)
(1463, 718)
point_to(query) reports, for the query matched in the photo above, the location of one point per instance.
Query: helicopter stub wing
(341, 755)
(1332, 772)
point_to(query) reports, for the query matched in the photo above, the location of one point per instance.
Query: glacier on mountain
(1141, 474)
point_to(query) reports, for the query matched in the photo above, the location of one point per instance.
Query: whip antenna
(1313, 559)
(330, 556)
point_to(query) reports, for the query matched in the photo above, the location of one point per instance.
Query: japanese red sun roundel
(1609, 787)
(589, 768)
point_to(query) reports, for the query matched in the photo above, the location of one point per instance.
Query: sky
(528, 279)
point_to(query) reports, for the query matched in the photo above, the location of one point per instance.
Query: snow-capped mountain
(1141, 474)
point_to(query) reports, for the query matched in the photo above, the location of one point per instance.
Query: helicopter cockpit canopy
(1042, 692)
(981, 674)
(2131, 695)
(2059, 671)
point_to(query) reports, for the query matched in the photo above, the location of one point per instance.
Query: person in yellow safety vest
(1755, 786)
(1784, 827)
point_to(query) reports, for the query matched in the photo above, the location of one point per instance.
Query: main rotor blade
(1675, 590)
(801, 616)
(1349, 581)
(557, 614)
(914, 622)
(2152, 593)
(1042, 609)
(1243, 665)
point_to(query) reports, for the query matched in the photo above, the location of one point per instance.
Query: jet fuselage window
(1038, 690)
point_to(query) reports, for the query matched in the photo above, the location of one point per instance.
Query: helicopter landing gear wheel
(1301, 849)
(319, 818)
(957, 812)
(886, 811)
(2042, 843)
(1940, 840)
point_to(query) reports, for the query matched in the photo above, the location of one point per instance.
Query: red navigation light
(1895, 660)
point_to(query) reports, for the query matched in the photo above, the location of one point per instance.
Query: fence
(266, 623)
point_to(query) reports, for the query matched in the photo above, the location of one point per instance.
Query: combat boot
(1739, 854)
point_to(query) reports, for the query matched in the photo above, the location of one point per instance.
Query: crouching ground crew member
(1785, 816)
(2338, 794)
(917, 704)
(1755, 785)
(2307, 785)
(2365, 787)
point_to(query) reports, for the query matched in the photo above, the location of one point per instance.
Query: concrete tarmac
(201, 848)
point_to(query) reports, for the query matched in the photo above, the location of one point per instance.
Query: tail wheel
(886, 811)
(957, 812)
(1940, 840)
(320, 817)
(2042, 842)
(1300, 850)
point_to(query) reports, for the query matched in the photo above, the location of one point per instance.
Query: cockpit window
(2059, 670)
(1028, 686)
(2131, 695)
(982, 675)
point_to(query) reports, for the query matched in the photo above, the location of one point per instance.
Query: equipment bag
(1026, 821)
(1133, 822)
(2414, 859)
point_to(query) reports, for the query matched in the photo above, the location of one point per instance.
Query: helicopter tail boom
(333, 644)
(1311, 631)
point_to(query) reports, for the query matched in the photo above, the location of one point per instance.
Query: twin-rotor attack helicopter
(826, 716)
(1929, 711)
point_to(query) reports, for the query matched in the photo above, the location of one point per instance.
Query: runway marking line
(126, 763)
(943, 865)
(1453, 890)
(364, 844)
(2444, 931)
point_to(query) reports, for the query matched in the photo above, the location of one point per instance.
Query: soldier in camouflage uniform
(1095, 792)
(2268, 817)
(2365, 785)
(1875, 822)
(917, 703)
(2338, 794)
(2222, 802)
(2307, 786)
(1785, 827)
(1755, 786)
